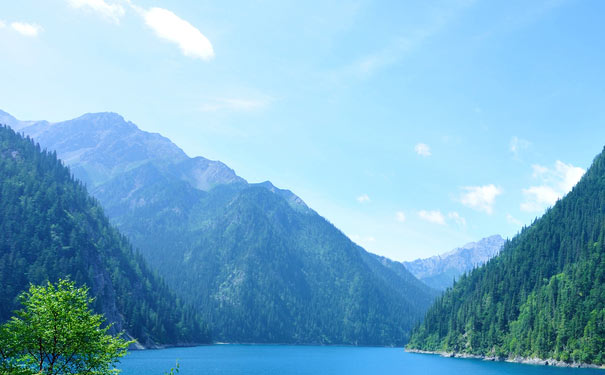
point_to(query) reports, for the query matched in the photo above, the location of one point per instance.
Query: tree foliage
(56, 333)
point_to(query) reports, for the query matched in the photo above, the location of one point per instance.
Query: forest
(50, 228)
(543, 297)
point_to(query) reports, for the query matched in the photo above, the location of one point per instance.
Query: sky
(414, 127)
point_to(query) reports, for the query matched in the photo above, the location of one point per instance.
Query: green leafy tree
(56, 333)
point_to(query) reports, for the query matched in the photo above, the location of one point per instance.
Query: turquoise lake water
(318, 360)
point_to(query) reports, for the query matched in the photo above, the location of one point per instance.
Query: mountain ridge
(441, 270)
(199, 172)
(542, 297)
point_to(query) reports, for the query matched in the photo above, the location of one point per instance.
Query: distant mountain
(543, 296)
(99, 147)
(50, 228)
(439, 272)
(258, 262)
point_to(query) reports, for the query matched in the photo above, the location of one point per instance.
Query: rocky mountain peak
(439, 271)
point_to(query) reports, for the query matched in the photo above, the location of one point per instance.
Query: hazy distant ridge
(439, 271)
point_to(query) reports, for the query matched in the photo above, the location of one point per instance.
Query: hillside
(260, 265)
(440, 271)
(543, 296)
(50, 228)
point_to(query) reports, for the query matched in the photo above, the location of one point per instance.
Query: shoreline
(139, 346)
(517, 359)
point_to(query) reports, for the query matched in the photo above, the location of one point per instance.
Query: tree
(56, 333)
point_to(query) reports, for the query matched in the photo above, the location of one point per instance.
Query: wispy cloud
(26, 29)
(400, 216)
(517, 145)
(113, 12)
(403, 45)
(480, 198)
(435, 217)
(512, 220)
(170, 27)
(422, 149)
(234, 104)
(364, 198)
(455, 216)
(2, 24)
(554, 183)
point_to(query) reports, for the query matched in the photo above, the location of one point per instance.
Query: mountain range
(255, 260)
(440, 271)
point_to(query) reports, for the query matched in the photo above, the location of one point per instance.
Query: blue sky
(414, 127)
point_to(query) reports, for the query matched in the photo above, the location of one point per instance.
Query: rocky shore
(517, 359)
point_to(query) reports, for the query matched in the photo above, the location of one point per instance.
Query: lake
(318, 360)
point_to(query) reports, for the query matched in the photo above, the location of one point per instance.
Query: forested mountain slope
(440, 271)
(259, 264)
(543, 296)
(50, 228)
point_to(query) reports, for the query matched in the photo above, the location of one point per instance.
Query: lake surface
(318, 360)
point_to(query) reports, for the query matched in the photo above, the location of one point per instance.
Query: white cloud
(518, 144)
(538, 198)
(435, 217)
(364, 198)
(171, 27)
(422, 149)
(163, 22)
(400, 216)
(554, 184)
(112, 12)
(455, 216)
(234, 104)
(2, 24)
(27, 29)
(480, 198)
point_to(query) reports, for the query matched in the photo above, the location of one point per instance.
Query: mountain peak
(438, 271)
(108, 116)
(204, 174)
(106, 119)
(268, 185)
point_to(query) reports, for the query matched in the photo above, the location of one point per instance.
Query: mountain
(259, 264)
(50, 228)
(439, 272)
(543, 296)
